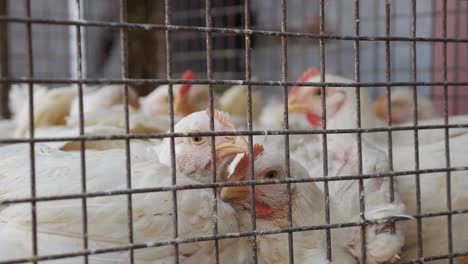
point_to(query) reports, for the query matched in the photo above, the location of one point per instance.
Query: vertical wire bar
(433, 32)
(324, 127)
(284, 73)
(79, 69)
(393, 19)
(376, 20)
(209, 76)
(248, 77)
(456, 60)
(4, 61)
(339, 46)
(124, 72)
(357, 77)
(447, 143)
(168, 43)
(415, 122)
(388, 77)
(30, 74)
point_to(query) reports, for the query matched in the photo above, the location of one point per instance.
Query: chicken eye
(197, 139)
(318, 92)
(271, 174)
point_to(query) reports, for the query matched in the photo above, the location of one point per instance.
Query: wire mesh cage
(342, 138)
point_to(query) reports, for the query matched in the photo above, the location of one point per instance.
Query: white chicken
(271, 205)
(96, 99)
(59, 223)
(234, 101)
(402, 107)
(188, 98)
(60, 131)
(199, 122)
(139, 123)
(342, 113)
(433, 191)
(51, 107)
(272, 116)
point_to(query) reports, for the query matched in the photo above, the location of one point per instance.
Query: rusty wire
(124, 26)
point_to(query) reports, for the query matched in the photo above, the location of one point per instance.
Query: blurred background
(54, 46)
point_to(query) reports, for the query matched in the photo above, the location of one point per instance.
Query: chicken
(199, 122)
(51, 107)
(272, 116)
(433, 191)
(342, 112)
(74, 132)
(403, 107)
(234, 101)
(96, 99)
(188, 98)
(139, 123)
(59, 223)
(343, 160)
(271, 205)
(17, 96)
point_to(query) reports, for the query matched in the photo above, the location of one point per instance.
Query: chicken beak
(239, 145)
(234, 193)
(380, 107)
(297, 108)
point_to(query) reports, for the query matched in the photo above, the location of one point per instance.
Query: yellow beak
(380, 107)
(235, 193)
(296, 107)
(239, 145)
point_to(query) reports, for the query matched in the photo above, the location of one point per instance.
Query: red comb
(184, 88)
(223, 119)
(243, 165)
(309, 73)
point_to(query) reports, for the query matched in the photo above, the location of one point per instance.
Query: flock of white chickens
(389, 204)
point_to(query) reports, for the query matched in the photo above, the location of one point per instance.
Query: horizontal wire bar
(231, 236)
(226, 184)
(229, 133)
(225, 82)
(142, 26)
(434, 258)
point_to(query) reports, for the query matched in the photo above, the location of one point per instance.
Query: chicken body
(342, 114)
(96, 99)
(271, 205)
(51, 107)
(59, 223)
(433, 191)
(235, 102)
(403, 108)
(139, 123)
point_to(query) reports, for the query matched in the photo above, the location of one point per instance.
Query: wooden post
(4, 69)
(146, 56)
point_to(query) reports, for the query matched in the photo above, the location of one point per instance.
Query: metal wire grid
(247, 33)
(190, 47)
